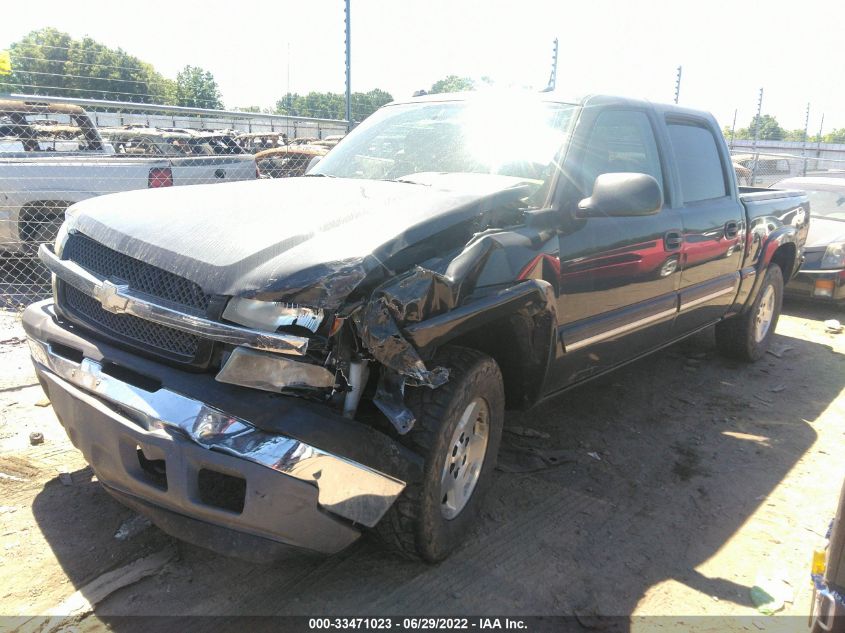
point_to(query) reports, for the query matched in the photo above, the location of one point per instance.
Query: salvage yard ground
(670, 487)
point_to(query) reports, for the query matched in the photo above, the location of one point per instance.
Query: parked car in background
(30, 128)
(133, 140)
(822, 274)
(294, 362)
(288, 161)
(207, 142)
(768, 169)
(329, 141)
(254, 142)
(195, 157)
(51, 156)
(743, 174)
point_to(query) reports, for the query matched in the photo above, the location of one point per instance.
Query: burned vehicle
(289, 363)
(288, 161)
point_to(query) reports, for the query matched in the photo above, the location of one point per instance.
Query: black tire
(738, 337)
(45, 232)
(415, 526)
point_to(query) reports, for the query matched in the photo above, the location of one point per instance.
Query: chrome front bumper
(108, 418)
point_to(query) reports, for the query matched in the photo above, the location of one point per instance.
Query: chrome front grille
(150, 338)
(163, 340)
(140, 276)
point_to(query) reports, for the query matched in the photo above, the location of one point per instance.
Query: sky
(257, 49)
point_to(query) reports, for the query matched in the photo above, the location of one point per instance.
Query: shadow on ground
(656, 467)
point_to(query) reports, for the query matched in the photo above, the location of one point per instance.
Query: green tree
(452, 83)
(38, 63)
(794, 135)
(769, 129)
(197, 88)
(836, 136)
(332, 105)
(50, 62)
(363, 104)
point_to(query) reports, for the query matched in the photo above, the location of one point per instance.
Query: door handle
(673, 240)
(219, 173)
(731, 229)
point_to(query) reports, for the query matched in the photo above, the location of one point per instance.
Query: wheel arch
(516, 327)
(781, 248)
(36, 211)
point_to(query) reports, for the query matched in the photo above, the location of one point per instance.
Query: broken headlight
(834, 255)
(271, 315)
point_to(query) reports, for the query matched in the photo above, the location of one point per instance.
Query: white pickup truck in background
(196, 157)
(52, 156)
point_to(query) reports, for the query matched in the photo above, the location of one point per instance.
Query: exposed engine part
(359, 371)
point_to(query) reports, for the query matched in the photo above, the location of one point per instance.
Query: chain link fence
(767, 169)
(56, 152)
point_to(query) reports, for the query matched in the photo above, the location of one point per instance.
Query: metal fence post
(756, 135)
(804, 148)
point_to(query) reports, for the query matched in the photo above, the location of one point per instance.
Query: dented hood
(310, 239)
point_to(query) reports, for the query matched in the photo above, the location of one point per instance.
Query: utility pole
(553, 76)
(804, 148)
(287, 92)
(756, 135)
(678, 84)
(733, 130)
(348, 68)
(819, 143)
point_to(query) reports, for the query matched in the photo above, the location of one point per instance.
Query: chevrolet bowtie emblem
(108, 294)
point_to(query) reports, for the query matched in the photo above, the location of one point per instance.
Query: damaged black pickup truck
(286, 364)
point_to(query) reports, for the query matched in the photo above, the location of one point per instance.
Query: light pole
(348, 68)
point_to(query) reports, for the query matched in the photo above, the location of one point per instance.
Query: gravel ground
(670, 487)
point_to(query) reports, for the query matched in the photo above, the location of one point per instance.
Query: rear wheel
(458, 430)
(747, 336)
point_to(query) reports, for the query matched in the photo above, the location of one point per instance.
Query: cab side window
(620, 141)
(699, 165)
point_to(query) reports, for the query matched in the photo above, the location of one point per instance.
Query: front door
(619, 277)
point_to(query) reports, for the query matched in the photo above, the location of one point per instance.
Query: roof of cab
(556, 97)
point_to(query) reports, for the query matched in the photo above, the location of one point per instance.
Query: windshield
(511, 137)
(828, 204)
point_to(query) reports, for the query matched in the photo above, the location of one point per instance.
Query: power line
(92, 90)
(35, 72)
(81, 63)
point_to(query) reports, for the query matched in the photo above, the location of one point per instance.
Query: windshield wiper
(319, 176)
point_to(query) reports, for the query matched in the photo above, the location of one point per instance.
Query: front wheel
(747, 336)
(458, 430)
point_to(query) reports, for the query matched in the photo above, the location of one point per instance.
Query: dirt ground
(670, 487)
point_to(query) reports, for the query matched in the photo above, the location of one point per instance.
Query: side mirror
(623, 195)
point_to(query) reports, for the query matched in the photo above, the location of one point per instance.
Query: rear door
(619, 276)
(713, 221)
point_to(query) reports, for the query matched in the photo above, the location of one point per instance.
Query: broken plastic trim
(390, 399)
(414, 297)
(271, 315)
